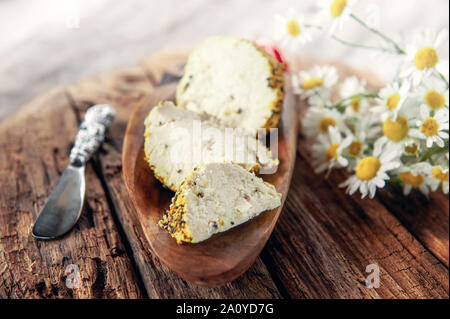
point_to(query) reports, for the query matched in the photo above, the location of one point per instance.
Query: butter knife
(64, 206)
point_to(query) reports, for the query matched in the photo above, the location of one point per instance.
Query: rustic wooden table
(321, 246)
(324, 240)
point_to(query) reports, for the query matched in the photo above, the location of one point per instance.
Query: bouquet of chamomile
(399, 134)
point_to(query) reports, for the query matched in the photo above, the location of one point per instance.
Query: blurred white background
(50, 43)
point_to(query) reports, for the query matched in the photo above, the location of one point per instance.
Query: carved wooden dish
(227, 255)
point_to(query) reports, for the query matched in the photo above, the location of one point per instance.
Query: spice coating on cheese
(214, 198)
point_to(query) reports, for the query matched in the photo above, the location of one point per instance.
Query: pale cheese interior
(222, 196)
(228, 78)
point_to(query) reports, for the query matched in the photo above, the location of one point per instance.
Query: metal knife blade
(64, 206)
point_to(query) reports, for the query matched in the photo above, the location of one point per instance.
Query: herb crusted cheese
(214, 198)
(234, 80)
(177, 140)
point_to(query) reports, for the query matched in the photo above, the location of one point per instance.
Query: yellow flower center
(409, 178)
(411, 149)
(430, 127)
(325, 122)
(355, 148)
(356, 103)
(434, 99)
(337, 7)
(332, 152)
(368, 168)
(396, 130)
(392, 101)
(427, 57)
(311, 83)
(293, 28)
(439, 174)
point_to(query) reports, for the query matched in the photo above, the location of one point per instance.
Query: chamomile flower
(433, 93)
(291, 30)
(334, 13)
(319, 80)
(411, 147)
(327, 153)
(396, 133)
(355, 149)
(350, 87)
(318, 119)
(422, 56)
(364, 130)
(438, 176)
(432, 127)
(391, 100)
(371, 172)
(414, 177)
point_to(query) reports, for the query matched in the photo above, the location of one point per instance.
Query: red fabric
(273, 50)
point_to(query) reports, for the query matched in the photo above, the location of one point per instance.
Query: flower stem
(443, 79)
(395, 180)
(341, 104)
(383, 36)
(434, 150)
(361, 46)
(352, 44)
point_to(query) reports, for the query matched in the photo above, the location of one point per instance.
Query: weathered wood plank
(330, 237)
(320, 246)
(426, 218)
(323, 244)
(159, 281)
(34, 151)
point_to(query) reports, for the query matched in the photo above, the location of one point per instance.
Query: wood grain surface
(320, 248)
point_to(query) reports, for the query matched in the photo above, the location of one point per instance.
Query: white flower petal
(353, 188)
(424, 111)
(342, 161)
(444, 135)
(439, 141)
(373, 190)
(379, 182)
(378, 147)
(363, 188)
(407, 189)
(445, 187)
(441, 38)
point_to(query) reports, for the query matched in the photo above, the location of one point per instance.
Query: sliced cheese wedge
(177, 140)
(234, 80)
(215, 198)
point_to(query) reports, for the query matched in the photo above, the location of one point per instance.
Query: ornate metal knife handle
(92, 133)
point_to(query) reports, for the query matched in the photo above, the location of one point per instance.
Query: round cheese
(235, 81)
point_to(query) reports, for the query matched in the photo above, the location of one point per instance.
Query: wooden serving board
(320, 248)
(226, 255)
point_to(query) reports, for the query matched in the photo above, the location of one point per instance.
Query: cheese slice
(215, 198)
(177, 140)
(234, 80)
